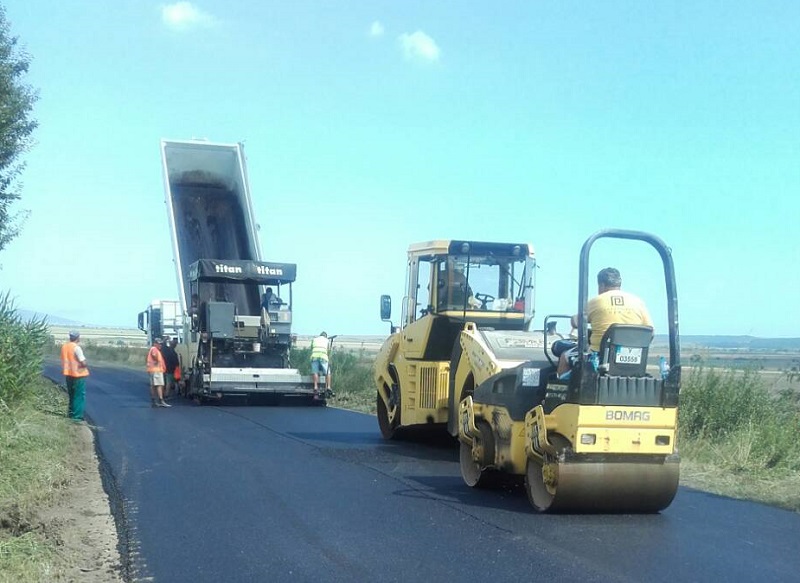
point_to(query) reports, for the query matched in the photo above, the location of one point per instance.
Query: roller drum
(602, 486)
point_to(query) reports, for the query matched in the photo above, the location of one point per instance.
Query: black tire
(387, 426)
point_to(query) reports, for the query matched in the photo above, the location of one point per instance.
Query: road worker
(156, 369)
(73, 363)
(319, 362)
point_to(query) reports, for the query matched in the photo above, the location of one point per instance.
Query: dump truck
(230, 345)
(601, 441)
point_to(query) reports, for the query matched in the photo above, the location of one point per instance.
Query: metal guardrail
(104, 336)
(135, 337)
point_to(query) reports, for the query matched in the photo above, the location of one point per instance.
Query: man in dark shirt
(270, 301)
(171, 362)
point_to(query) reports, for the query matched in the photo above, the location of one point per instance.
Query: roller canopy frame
(583, 386)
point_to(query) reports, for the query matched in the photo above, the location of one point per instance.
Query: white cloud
(419, 45)
(376, 29)
(184, 15)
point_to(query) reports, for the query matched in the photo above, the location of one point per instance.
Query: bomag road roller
(465, 318)
(601, 441)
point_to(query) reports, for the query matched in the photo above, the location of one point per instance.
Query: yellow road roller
(455, 290)
(601, 441)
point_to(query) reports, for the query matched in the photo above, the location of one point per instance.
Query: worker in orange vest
(73, 363)
(156, 369)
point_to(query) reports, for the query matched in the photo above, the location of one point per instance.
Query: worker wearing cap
(319, 361)
(73, 363)
(156, 369)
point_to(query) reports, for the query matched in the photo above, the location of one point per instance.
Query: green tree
(16, 127)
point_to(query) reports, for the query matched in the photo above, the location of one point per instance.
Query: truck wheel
(195, 380)
(388, 421)
(476, 473)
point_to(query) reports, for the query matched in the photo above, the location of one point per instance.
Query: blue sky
(371, 125)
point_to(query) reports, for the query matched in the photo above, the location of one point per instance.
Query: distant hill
(734, 342)
(55, 320)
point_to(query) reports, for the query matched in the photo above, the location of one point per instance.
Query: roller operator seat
(624, 349)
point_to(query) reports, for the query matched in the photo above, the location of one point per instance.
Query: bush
(134, 356)
(300, 358)
(352, 380)
(718, 402)
(35, 446)
(22, 346)
(351, 376)
(729, 417)
(128, 355)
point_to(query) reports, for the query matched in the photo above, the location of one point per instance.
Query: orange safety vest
(155, 361)
(70, 365)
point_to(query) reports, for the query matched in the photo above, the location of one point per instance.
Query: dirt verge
(79, 521)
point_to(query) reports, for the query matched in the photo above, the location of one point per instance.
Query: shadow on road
(508, 493)
(351, 437)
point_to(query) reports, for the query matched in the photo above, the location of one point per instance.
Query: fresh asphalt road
(242, 494)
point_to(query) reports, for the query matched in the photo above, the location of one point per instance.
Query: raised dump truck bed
(210, 212)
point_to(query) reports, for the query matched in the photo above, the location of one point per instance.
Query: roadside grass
(775, 489)
(35, 444)
(132, 356)
(36, 439)
(738, 438)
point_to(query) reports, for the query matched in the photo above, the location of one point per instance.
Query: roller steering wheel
(484, 299)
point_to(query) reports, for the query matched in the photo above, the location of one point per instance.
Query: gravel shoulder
(80, 520)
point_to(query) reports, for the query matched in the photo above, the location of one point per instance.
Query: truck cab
(161, 317)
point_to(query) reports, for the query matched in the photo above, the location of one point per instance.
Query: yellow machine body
(437, 356)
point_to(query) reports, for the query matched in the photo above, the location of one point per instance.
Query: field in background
(101, 336)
